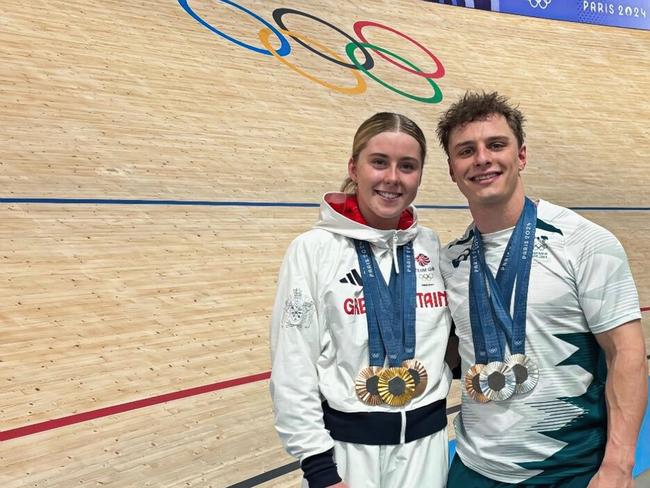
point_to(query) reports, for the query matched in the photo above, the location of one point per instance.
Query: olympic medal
(419, 373)
(497, 381)
(472, 385)
(365, 385)
(526, 372)
(396, 386)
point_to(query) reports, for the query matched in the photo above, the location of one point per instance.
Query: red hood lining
(350, 208)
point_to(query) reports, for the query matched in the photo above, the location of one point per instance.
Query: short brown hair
(478, 106)
(378, 123)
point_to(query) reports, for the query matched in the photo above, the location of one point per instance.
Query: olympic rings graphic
(278, 13)
(540, 3)
(285, 47)
(440, 71)
(283, 34)
(265, 34)
(437, 96)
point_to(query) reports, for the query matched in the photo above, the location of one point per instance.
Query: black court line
(268, 476)
(453, 409)
(210, 203)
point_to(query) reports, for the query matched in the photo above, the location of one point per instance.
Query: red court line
(147, 402)
(125, 407)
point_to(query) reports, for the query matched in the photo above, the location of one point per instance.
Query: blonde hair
(378, 123)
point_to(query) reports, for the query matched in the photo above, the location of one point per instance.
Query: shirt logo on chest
(425, 270)
(352, 277)
(540, 251)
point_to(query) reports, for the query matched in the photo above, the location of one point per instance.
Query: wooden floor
(115, 115)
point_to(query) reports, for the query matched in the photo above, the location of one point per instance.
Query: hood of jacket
(335, 222)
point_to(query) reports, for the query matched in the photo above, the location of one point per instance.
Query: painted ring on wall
(440, 69)
(278, 13)
(437, 93)
(285, 47)
(265, 34)
(326, 53)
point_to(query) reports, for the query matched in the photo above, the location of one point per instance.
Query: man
(554, 370)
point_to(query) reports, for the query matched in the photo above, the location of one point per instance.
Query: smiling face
(485, 160)
(387, 172)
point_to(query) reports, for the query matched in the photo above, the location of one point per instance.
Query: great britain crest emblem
(298, 310)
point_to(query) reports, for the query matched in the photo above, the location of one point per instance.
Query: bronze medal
(497, 381)
(419, 374)
(396, 386)
(365, 385)
(472, 384)
(526, 372)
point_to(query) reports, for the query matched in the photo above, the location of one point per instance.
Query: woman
(360, 326)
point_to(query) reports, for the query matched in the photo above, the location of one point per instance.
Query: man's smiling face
(485, 160)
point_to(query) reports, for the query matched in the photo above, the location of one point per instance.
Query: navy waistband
(384, 428)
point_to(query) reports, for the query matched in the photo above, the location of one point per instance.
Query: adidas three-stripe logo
(353, 277)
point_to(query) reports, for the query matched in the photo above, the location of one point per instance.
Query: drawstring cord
(395, 263)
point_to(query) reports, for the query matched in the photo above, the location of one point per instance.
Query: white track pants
(419, 464)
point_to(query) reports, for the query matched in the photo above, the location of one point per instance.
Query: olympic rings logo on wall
(540, 3)
(318, 48)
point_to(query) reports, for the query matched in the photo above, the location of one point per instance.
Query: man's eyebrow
(463, 143)
(468, 142)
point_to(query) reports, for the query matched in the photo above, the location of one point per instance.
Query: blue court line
(607, 209)
(211, 203)
(642, 461)
(111, 201)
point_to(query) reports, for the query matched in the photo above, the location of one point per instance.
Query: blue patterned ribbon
(490, 298)
(390, 309)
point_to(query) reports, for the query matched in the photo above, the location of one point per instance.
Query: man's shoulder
(573, 227)
(556, 218)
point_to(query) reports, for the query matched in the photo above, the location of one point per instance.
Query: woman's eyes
(402, 165)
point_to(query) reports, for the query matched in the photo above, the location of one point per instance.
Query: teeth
(388, 195)
(484, 177)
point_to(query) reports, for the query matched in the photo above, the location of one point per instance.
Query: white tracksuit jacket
(319, 335)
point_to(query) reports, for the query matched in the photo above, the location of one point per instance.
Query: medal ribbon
(491, 309)
(488, 341)
(390, 310)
